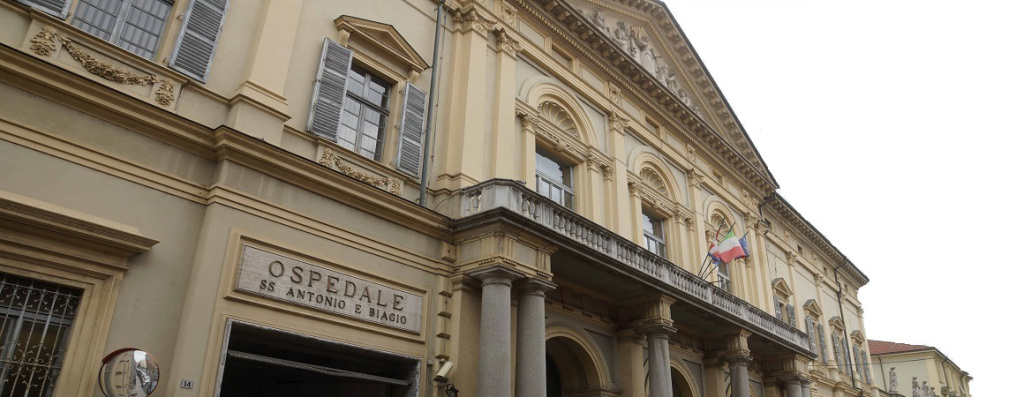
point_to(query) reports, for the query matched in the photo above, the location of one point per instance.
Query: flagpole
(704, 262)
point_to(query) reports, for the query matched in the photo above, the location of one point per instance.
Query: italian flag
(729, 249)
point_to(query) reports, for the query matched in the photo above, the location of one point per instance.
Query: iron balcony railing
(503, 193)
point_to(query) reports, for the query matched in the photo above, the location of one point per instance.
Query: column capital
(506, 43)
(738, 357)
(534, 286)
(496, 274)
(655, 327)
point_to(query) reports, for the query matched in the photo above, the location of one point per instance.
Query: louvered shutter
(778, 308)
(846, 358)
(810, 334)
(867, 366)
(791, 311)
(856, 360)
(57, 8)
(144, 22)
(410, 147)
(193, 53)
(821, 344)
(329, 91)
(837, 350)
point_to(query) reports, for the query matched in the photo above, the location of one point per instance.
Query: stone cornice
(64, 224)
(784, 210)
(599, 50)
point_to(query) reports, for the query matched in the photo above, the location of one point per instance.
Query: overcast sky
(893, 126)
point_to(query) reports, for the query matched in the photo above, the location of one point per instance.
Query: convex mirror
(129, 372)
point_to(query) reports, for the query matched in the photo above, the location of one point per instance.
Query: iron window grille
(35, 320)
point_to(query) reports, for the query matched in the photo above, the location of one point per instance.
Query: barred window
(35, 320)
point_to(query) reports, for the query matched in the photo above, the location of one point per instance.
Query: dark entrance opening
(265, 362)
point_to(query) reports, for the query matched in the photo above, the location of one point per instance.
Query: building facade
(234, 187)
(917, 370)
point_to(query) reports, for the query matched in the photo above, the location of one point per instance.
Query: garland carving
(333, 160)
(44, 43)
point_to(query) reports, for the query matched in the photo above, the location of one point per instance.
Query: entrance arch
(572, 368)
(683, 384)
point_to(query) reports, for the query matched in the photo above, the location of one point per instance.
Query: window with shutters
(140, 26)
(815, 331)
(35, 321)
(784, 308)
(358, 101)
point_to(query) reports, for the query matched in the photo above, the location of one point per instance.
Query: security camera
(442, 374)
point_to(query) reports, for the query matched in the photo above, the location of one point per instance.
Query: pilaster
(259, 107)
(504, 157)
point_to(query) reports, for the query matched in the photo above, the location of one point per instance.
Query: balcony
(513, 196)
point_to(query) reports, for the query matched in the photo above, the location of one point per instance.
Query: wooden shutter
(329, 91)
(846, 358)
(856, 359)
(810, 334)
(57, 8)
(866, 365)
(778, 308)
(410, 146)
(821, 341)
(98, 18)
(193, 53)
(791, 311)
(835, 348)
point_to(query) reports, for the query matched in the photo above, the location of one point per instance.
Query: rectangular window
(654, 234)
(35, 320)
(365, 114)
(723, 277)
(554, 179)
(135, 25)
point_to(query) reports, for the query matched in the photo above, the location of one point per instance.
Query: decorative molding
(509, 14)
(382, 36)
(506, 43)
(44, 43)
(333, 160)
(559, 117)
(470, 19)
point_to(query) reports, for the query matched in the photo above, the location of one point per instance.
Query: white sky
(891, 126)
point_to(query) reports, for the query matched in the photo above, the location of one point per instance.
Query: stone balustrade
(514, 196)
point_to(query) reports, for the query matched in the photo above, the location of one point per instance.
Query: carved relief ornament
(333, 160)
(470, 20)
(44, 43)
(507, 44)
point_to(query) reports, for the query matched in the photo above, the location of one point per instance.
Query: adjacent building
(234, 187)
(917, 371)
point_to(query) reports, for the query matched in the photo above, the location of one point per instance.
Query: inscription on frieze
(290, 280)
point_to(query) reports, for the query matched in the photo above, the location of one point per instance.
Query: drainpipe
(430, 105)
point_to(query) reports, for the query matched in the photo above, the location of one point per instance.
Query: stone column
(738, 374)
(531, 366)
(805, 386)
(793, 388)
(657, 358)
(494, 368)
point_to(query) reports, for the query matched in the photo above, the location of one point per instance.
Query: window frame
(657, 222)
(565, 186)
(369, 75)
(121, 20)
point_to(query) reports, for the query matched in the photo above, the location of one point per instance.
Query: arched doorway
(570, 369)
(680, 386)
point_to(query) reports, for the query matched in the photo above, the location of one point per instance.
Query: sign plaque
(290, 280)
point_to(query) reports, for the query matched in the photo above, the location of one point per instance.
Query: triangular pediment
(383, 36)
(857, 336)
(646, 31)
(781, 287)
(812, 307)
(837, 323)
